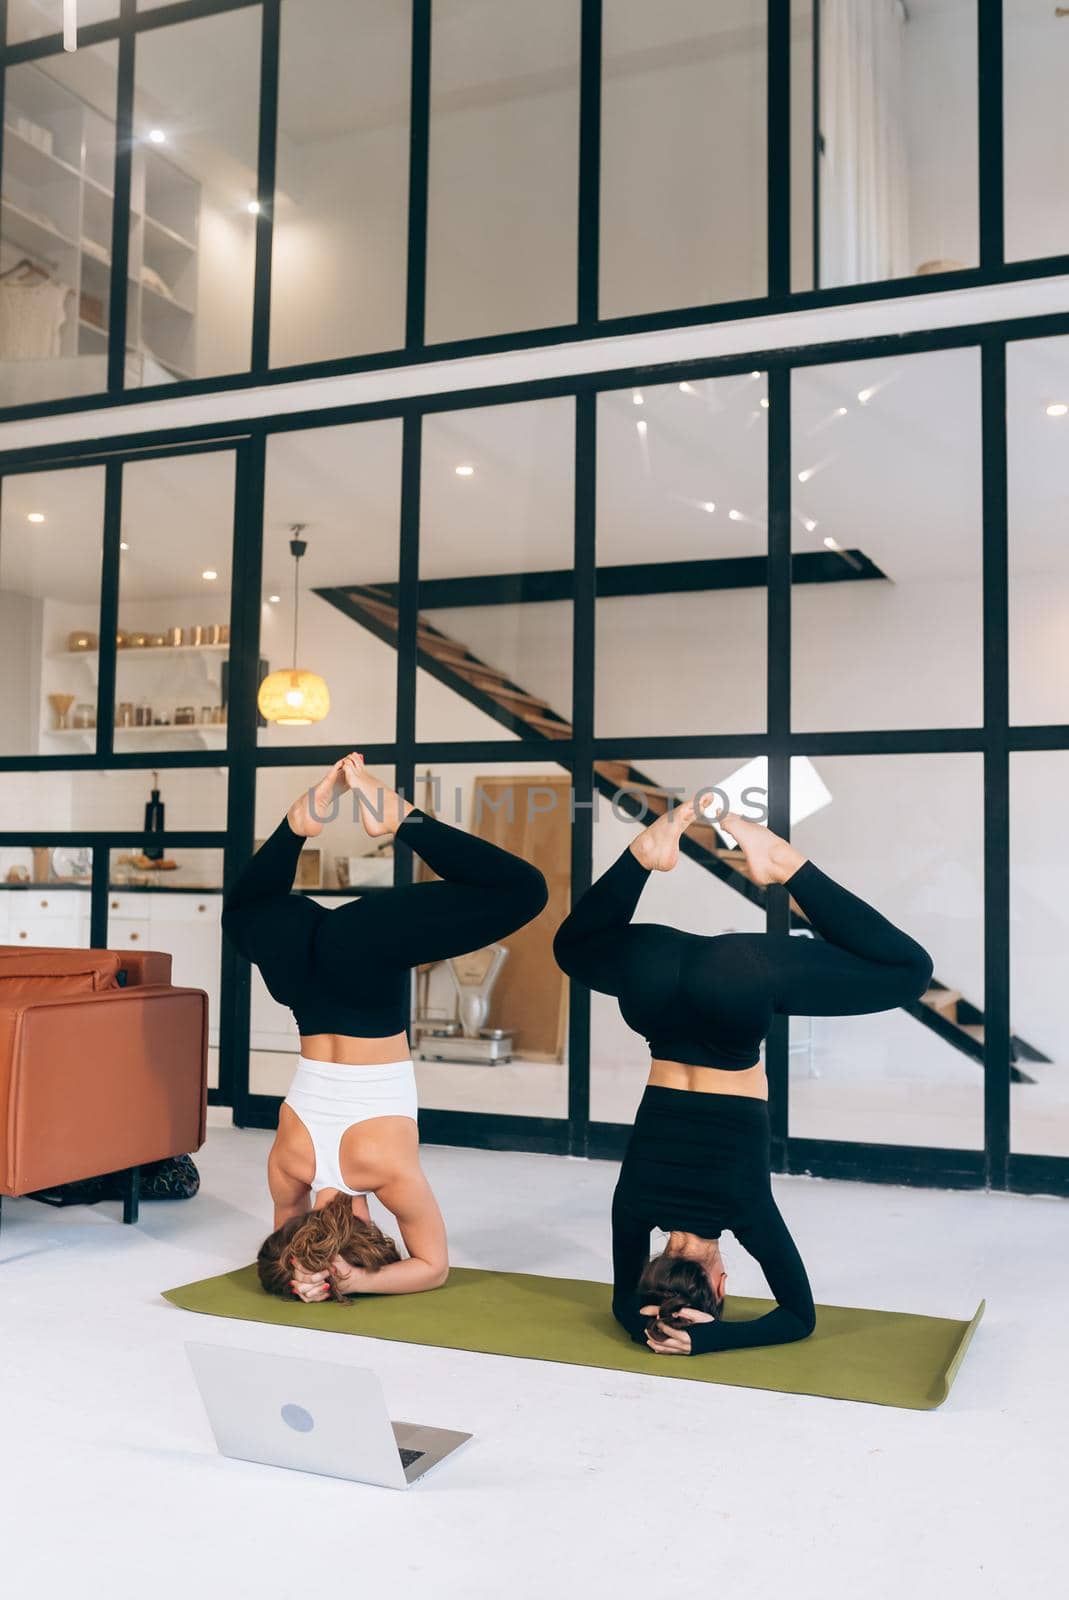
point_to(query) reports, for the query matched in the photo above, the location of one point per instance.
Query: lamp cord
(296, 606)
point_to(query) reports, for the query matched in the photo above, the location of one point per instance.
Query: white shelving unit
(56, 209)
(131, 664)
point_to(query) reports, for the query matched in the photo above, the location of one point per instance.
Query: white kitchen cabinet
(55, 918)
(188, 926)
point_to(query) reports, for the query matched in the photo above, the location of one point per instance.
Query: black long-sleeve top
(699, 1163)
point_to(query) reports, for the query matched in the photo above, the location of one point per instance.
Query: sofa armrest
(96, 1083)
(144, 967)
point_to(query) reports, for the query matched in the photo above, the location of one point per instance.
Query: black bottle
(154, 820)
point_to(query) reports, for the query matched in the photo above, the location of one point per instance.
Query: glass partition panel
(56, 225)
(47, 904)
(496, 573)
(1039, 938)
(504, 163)
(51, 540)
(341, 192)
(116, 799)
(173, 656)
(194, 198)
(906, 834)
(1035, 129)
(683, 154)
(338, 863)
(682, 544)
(887, 539)
(1037, 422)
(490, 1032)
(704, 894)
(341, 487)
(897, 116)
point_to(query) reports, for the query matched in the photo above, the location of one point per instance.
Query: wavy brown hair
(673, 1282)
(313, 1240)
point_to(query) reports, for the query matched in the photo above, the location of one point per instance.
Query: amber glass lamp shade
(293, 698)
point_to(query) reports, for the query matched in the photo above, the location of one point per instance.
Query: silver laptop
(312, 1416)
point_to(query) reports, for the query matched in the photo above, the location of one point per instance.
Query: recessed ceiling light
(841, 411)
(35, 516)
(709, 505)
(253, 208)
(686, 388)
(209, 573)
(641, 426)
(123, 545)
(808, 524)
(157, 136)
(736, 516)
(1058, 409)
(755, 374)
(636, 398)
(764, 402)
(865, 395)
(832, 544)
(465, 472)
(805, 474)
(274, 599)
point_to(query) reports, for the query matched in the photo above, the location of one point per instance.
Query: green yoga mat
(888, 1358)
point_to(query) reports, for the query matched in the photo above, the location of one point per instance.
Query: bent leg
(484, 893)
(864, 963)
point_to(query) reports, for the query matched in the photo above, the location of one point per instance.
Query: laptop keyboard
(408, 1456)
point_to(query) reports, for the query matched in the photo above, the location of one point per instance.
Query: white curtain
(864, 198)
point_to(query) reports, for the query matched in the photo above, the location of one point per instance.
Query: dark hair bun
(674, 1283)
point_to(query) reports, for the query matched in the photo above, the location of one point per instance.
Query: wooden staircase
(941, 1009)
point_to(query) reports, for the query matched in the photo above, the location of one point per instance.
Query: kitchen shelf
(126, 651)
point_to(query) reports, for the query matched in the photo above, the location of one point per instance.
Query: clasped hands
(315, 1286)
(672, 1341)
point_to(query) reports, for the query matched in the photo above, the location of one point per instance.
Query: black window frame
(994, 1166)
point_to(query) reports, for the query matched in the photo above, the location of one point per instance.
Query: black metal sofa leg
(131, 1199)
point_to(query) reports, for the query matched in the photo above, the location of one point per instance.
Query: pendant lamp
(293, 697)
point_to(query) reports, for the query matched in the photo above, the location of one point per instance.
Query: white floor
(579, 1483)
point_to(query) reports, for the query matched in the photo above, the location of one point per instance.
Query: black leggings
(346, 971)
(710, 1001)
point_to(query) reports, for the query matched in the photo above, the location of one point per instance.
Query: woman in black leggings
(348, 1125)
(698, 1158)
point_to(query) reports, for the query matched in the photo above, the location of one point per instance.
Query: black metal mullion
(992, 199)
(407, 623)
(98, 897)
(584, 624)
(246, 567)
(271, 25)
(120, 207)
(779, 719)
(419, 131)
(778, 151)
(996, 764)
(589, 228)
(110, 578)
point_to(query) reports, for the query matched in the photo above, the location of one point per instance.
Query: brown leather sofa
(103, 1066)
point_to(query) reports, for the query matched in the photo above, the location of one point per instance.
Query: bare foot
(300, 813)
(769, 858)
(657, 847)
(381, 810)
